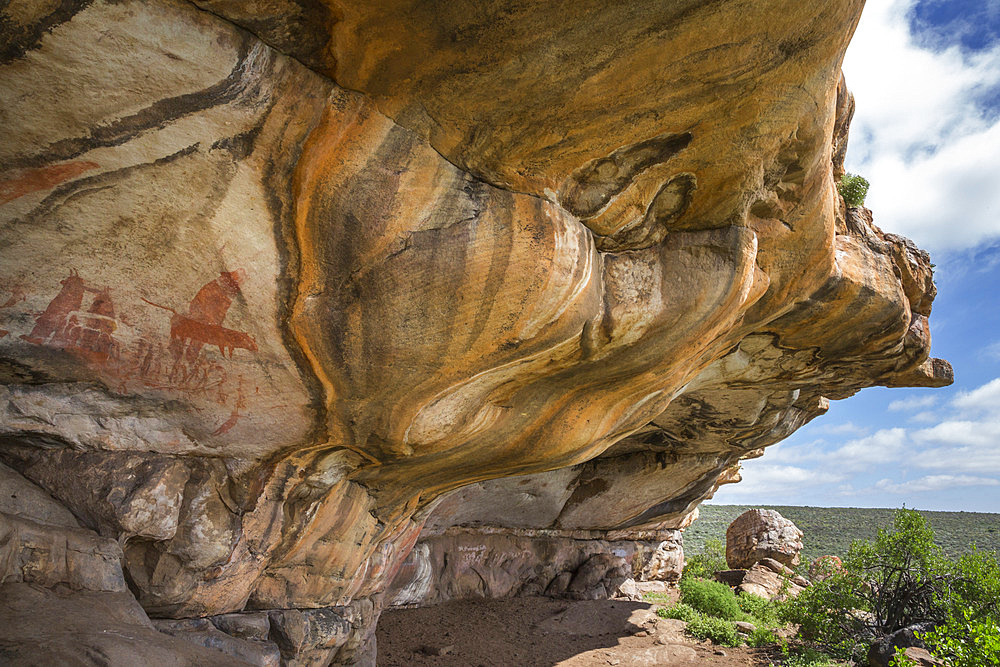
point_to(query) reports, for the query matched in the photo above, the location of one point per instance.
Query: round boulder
(758, 534)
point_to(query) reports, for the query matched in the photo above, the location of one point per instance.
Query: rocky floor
(542, 631)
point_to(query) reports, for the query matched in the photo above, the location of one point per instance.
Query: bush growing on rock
(712, 611)
(680, 611)
(763, 611)
(853, 189)
(763, 637)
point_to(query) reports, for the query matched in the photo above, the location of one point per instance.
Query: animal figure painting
(65, 325)
(203, 323)
(81, 320)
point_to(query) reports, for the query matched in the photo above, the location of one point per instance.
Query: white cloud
(919, 135)
(959, 459)
(934, 483)
(925, 417)
(985, 433)
(912, 403)
(881, 447)
(991, 351)
(857, 454)
(760, 479)
(982, 399)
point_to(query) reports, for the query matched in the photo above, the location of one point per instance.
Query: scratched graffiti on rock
(81, 320)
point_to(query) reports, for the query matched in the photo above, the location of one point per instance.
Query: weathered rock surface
(283, 283)
(466, 563)
(760, 535)
(770, 582)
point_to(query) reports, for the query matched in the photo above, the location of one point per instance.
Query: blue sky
(926, 80)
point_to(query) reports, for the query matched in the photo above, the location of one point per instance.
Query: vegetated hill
(830, 530)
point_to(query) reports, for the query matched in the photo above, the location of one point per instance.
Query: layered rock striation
(284, 285)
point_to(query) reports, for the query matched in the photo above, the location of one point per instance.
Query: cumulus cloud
(925, 417)
(982, 399)
(882, 446)
(960, 459)
(921, 134)
(968, 433)
(934, 483)
(961, 449)
(762, 479)
(967, 441)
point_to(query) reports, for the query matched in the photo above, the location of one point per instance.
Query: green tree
(887, 584)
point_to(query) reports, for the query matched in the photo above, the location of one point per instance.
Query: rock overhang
(272, 308)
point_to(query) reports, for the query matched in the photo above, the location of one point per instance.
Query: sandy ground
(542, 631)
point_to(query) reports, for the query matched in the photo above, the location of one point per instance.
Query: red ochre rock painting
(32, 180)
(89, 335)
(65, 325)
(203, 323)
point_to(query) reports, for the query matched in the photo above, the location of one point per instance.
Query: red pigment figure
(55, 318)
(95, 339)
(63, 325)
(203, 323)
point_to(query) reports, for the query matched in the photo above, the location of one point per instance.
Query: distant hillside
(830, 530)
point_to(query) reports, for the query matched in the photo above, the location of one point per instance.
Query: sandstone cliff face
(283, 284)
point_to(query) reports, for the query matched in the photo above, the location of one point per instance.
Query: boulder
(629, 590)
(923, 658)
(758, 534)
(667, 562)
(766, 583)
(57, 626)
(202, 632)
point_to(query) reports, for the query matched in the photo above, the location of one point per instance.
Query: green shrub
(680, 611)
(966, 642)
(718, 630)
(708, 562)
(711, 597)
(657, 598)
(900, 659)
(890, 583)
(853, 189)
(805, 656)
(970, 633)
(761, 611)
(763, 637)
